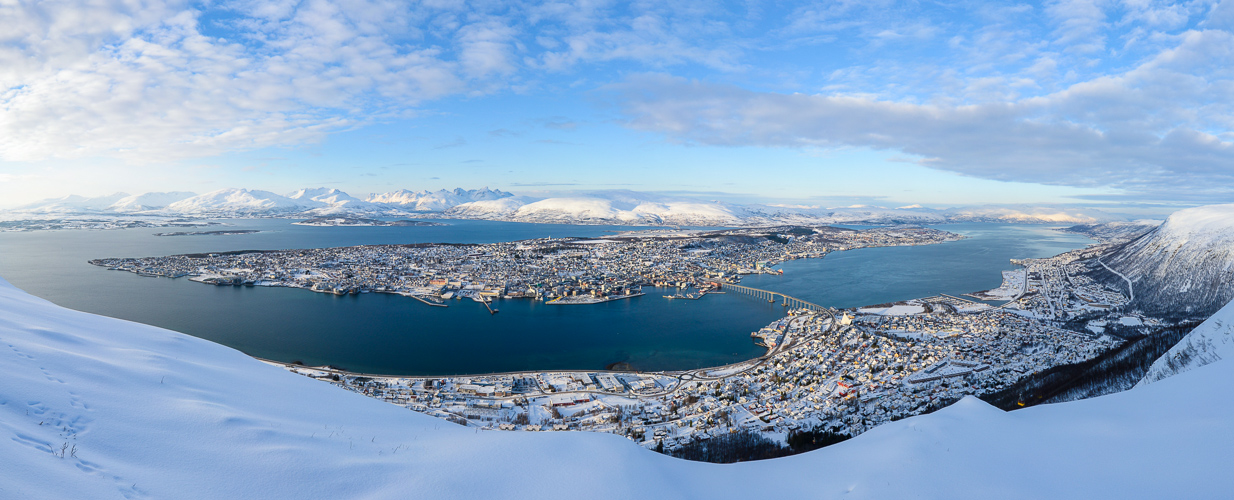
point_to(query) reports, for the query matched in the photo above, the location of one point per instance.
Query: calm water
(381, 333)
(876, 275)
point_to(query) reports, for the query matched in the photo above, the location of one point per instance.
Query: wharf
(565, 301)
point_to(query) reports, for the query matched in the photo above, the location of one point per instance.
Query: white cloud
(154, 87)
(1151, 130)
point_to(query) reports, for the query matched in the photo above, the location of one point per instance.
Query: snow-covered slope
(241, 201)
(1210, 342)
(149, 201)
(436, 201)
(142, 412)
(1185, 266)
(1115, 232)
(490, 209)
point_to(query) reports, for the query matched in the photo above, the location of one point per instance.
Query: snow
(158, 414)
(895, 310)
(1211, 341)
(1032, 214)
(1185, 266)
(72, 204)
(149, 201)
(610, 206)
(335, 200)
(240, 200)
(436, 201)
(504, 207)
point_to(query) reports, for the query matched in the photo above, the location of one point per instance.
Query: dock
(424, 300)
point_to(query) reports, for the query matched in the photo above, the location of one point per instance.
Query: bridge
(788, 301)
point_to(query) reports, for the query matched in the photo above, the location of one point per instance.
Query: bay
(387, 334)
(868, 276)
(381, 333)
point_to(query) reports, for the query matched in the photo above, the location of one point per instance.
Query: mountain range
(597, 207)
(242, 202)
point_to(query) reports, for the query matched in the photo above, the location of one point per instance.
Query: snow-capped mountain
(628, 207)
(1033, 214)
(1211, 341)
(596, 207)
(72, 204)
(436, 201)
(1185, 267)
(149, 201)
(503, 208)
(607, 207)
(95, 407)
(1115, 232)
(241, 201)
(854, 214)
(335, 201)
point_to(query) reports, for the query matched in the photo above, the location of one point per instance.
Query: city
(556, 270)
(825, 370)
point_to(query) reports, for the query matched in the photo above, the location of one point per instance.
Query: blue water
(876, 275)
(379, 333)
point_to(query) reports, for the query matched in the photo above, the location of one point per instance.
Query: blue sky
(891, 103)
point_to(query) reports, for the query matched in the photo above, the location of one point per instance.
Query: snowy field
(92, 407)
(1013, 286)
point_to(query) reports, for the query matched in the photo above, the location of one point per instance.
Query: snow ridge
(1211, 341)
(436, 201)
(598, 207)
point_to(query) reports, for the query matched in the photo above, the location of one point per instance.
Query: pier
(787, 301)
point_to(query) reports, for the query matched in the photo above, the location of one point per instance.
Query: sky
(1098, 103)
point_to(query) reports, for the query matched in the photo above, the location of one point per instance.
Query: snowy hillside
(1210, 342)
(1185, 266)
(436, 201)
(92, 407)
(149, 201)
(490, 209)
(1115, 232)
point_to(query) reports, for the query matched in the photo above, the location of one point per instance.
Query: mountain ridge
(621, 207)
